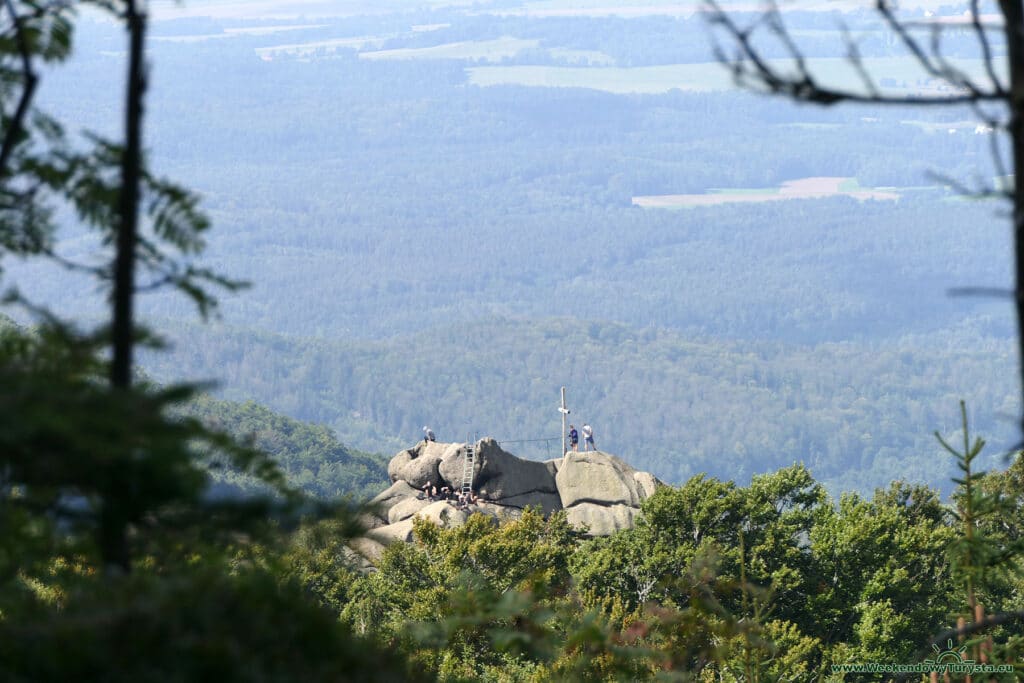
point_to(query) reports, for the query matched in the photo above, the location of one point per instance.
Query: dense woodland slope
(858, 415)
(309, 455)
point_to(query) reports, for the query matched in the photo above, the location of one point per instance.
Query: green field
(642, 8)
(309, 47)
(491, 50)
(804, 188)
(644, 79)
(286, 9)
(902, 75)
(264, 9)
(594, 57)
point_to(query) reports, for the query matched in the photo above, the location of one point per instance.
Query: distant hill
(859, 414)
(310, 455)
(366, 198)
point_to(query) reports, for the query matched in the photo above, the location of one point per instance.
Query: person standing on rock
(574, 438)
(428, 434)
(588, 437)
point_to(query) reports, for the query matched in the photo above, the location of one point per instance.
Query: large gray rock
(390, 497)
(444, 514)
(549, 502)
(406, 508)
(499, 512)
(392, 533)
(401, 459)
(499, 475)
(596, 489)
(365, 553)
(451, 466)
(418, 465)
(602, 520)
(646, 484)
(373, 521)
(553, 465)
(600, 478)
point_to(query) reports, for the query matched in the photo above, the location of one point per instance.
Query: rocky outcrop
(602, 520)
(443, 513)
(364, 553)
(388, 498)
(418, 465)
(600, 478)
(548, 502)
(599, 492)
(406, 508)
(498, 475)
(385, 535)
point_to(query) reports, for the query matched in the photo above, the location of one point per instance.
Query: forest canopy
(151, 531)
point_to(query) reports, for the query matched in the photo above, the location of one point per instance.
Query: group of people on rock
(574, 437)
(460, 499)
(588, 438)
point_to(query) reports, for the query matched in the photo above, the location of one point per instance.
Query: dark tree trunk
(1013, 14)
(113, 532)
(131, 167)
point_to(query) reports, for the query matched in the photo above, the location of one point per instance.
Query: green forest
(386, 295)
(203, 374)
(771, 581)
(309, 455)
(858, 416)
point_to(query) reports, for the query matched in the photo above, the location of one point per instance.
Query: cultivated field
(804, 188)
(491, 50)
(902, 75)
(286, 9)
(643, 79)
(313, 46)
(648, 8)
(293, 9)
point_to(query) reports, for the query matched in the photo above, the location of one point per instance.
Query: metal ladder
(468, 462)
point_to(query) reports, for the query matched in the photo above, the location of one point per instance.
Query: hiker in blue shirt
(574, 438)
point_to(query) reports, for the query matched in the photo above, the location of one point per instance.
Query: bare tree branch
(937, 65)
(159, 283)
(103, 272)
(749, 67)
(900, 29)
(986, 49)
(16, 125)
(854, 56)
(982, 192)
